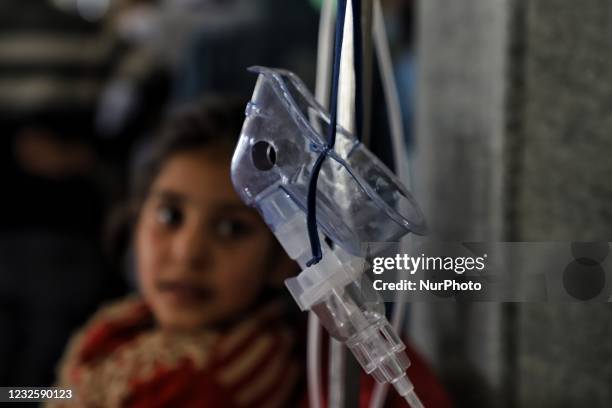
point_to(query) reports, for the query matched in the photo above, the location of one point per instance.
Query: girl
(209, 328)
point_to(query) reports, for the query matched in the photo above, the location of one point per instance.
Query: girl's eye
(169, 215)
(231, 229)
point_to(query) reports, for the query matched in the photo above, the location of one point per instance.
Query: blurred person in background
(57, 59)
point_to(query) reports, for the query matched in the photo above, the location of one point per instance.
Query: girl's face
(203, 256)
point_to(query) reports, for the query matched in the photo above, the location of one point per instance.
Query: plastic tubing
(324, 55)
(314, 360)
(383, 55)
(346, 119)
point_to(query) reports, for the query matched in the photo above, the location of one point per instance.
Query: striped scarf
(120, 359)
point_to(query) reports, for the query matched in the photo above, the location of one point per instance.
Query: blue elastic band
(311, 209)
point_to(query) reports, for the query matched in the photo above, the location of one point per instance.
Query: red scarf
(120, 359)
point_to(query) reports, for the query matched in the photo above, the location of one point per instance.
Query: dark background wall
(513, 123)
(564, 192)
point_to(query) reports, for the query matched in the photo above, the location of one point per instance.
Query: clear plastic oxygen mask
(358, 200)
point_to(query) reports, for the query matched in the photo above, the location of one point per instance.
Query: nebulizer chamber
(358, 201)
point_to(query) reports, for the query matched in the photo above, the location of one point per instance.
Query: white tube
(324, 53)
(324, 58)
(346, 83)
(346, 119)
(390, 91)
(397, 128)
(336, 372)
(314, 361)
(399, 157)
(379, 395)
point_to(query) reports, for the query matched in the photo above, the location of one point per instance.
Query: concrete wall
(564, 358)
(513, 142)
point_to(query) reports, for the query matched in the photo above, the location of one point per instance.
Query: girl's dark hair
(213, 121)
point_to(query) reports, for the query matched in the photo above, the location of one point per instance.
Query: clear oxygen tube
(359, 200)
(383, 55)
